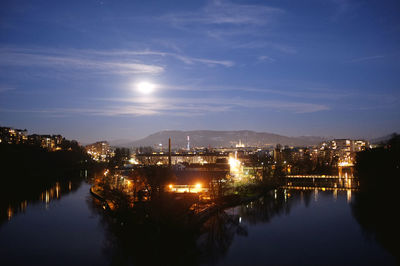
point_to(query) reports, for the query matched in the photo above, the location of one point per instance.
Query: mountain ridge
(219, 138)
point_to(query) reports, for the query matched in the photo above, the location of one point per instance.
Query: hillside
(210, 138)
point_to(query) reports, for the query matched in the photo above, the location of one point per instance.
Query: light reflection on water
(302, 227)
(54, 230)
(294, 225)
(54, 192)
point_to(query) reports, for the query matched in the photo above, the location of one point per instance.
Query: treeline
(320, 166)
(289, 164)
(376, 204)
(29, 162)
(29, 170)
(380, 166)
(121, 157)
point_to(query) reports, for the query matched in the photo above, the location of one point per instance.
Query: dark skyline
(123, 70)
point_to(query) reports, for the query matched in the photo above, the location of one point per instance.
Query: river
(66, 226)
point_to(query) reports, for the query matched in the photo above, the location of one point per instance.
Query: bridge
(320, 188)
(317, 176)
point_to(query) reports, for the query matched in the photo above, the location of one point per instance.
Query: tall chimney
(169, 152)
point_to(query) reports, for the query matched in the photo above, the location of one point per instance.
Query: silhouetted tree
(122, 155)
(376, 204)
(157, 178)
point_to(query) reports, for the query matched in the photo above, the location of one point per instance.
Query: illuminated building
(99, 151)
(19, 136)
(190, 176)
(13, 136)
(195, 188)
(240, 144)
(346, 149)
(360, 145)
(49, 142)
(180, 158)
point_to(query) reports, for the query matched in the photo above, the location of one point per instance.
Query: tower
(169, 152)
(188, 143)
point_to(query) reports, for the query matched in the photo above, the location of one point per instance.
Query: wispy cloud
(225, 12)
(221, 20)
(283, 48)
(176, 106)
(265, 58)
(304, 93)
(206, 105)
(367, 58)
(226, 63)
(183, 58)
(125, 110)
(244, 26)
(104, 61)
(77, 61)
(70, 111)
(288, 106)
(6, 88)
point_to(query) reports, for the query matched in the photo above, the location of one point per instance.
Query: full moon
(145, 87)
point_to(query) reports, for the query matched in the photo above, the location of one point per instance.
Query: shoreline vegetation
(28, 171)
(197, 213)
(157, 232)
(377, 203)
(27, 166)
(154, 233)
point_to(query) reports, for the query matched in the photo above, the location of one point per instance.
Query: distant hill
(120, 142)
(210, 138)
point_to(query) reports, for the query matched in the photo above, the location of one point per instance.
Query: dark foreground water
(286, 227)
(313, 228)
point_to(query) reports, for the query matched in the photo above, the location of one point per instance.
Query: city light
(133, 161)
(345, 164)
(197, 188)
(235, 166)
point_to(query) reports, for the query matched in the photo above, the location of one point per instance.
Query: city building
(49, 142)
(161, 158)
(346, 149)
(13, 136)
(99, 151)
(20, 136)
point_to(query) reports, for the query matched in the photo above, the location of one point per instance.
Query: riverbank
(197, 212)
(98, 196)
(229, 202)
(376, 205)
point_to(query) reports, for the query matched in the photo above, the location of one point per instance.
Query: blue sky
(315, 67)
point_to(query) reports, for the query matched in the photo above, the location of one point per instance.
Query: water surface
(61, 231)
(306, 228)
(285, 227)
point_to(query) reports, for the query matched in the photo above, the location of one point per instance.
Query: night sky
(94, 70)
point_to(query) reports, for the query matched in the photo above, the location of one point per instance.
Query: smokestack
(169, 152)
